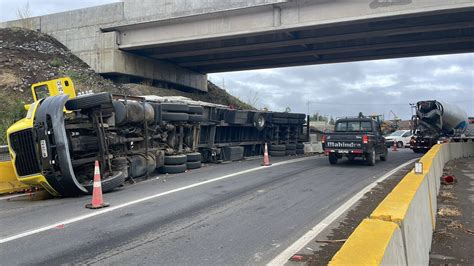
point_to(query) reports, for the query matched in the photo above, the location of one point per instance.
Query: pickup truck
(355, 137)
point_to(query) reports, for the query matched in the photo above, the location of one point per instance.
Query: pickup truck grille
(23, 145)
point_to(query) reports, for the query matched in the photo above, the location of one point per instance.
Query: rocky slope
(28, 57)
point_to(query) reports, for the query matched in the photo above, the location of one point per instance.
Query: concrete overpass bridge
(181, 41)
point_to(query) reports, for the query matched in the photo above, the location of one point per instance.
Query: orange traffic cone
(394, 147)
(97, 200)
(266, 159)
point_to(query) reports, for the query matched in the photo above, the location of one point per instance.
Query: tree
(24, 11)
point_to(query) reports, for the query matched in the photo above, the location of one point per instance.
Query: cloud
(372, 87)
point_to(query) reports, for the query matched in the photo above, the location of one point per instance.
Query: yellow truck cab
(21, 137)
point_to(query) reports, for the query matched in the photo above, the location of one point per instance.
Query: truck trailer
(63, 134)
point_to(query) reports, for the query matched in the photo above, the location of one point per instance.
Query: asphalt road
(246, 218)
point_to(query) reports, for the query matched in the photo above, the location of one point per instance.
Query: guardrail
(399, 231)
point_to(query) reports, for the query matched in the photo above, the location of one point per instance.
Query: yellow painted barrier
(373, 242)
(8, 181)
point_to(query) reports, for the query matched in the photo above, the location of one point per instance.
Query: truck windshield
(353, 126)
(41, 92)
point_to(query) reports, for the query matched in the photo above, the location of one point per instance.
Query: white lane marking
(110, 209)
(283, 257)
(17, 196)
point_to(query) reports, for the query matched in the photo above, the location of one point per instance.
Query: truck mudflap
(54, 148)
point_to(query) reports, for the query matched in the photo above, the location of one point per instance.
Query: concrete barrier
(411, 207)
(373, 242)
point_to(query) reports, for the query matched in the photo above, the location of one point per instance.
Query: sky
(371, 87)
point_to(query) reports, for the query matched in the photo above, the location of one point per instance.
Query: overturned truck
(56, 145)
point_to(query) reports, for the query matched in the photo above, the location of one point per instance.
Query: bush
(56, 62)
(10, 112)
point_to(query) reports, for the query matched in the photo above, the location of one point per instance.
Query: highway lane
(244, 219)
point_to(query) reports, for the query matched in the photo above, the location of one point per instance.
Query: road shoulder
(322, 248)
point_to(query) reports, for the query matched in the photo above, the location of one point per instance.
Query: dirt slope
(28, 57)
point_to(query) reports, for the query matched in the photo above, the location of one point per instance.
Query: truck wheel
(175, 107)
(193, 165)
(173, 169)
(175, 116)
(332, 158)
(175, 159)
(259, 121)
(281, 147)
(399, 144)
(193, 157)
(108, 184)
(290, 152)
(370, 158)
(277, 153)
(89, 101)
(383, 157)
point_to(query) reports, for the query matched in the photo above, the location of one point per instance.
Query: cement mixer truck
(436, 121)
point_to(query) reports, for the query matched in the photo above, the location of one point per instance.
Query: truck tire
(383, 157)
(108, 184)
(175, 116)
(277, 153)
(290, 152)
(259, 121)
(194, 157)
(194, 109)
(299, 146)
(280, 147)
(280, 120)
(370, 158)
(290, 146)
(89, 101)
(175, 107)
(173, 169)
(175, 159)
(193, 165)
(332, 158)
(195, 118)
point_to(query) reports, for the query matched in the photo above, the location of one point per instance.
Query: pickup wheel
(332, 158)
(383, 157)
(370, 158)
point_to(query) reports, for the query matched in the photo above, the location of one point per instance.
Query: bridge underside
(420, 34)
